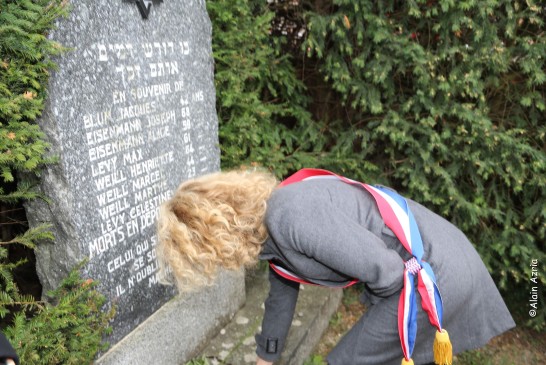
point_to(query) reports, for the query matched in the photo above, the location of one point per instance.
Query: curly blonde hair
(212, 221)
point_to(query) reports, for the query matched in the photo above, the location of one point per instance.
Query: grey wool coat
(330, 232)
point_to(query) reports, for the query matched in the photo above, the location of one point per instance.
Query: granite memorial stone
(130, 114)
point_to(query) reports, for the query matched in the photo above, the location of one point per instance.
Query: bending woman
(323, 229)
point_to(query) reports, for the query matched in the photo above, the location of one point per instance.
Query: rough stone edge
(314, 309)
(297, 353)
(175, 333)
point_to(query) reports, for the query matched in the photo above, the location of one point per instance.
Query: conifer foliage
(448, 100)
(70, 330)
(261, 101)
(443, 100)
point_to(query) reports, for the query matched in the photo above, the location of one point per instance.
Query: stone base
(235, 344)
(180, 329)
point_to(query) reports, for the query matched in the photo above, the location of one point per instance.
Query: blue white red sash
(397, 216)
(293, 277)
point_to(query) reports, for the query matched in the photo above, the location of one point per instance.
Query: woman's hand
(263, 362)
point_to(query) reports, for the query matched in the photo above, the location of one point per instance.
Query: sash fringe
(443, 353)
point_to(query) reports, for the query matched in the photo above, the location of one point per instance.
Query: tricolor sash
(397, 215)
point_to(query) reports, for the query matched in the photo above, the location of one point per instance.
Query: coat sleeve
(6, 350)
(279, 311)
(317, 230)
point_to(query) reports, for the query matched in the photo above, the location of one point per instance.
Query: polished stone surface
(130, 115)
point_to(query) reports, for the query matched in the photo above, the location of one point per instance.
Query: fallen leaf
(28, 95)
(346, 22)
(87, 282)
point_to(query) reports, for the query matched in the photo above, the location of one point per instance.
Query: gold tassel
(443, 353)
(407, 362)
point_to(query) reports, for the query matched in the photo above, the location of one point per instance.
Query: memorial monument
(130, 115)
